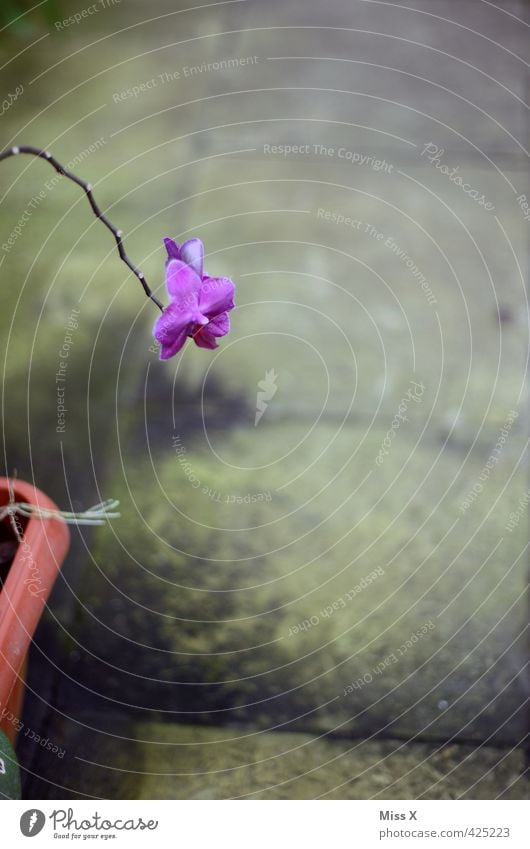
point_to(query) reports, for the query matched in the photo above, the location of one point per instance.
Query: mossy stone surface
(368, 610)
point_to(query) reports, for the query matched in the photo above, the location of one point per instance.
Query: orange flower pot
(24, 593)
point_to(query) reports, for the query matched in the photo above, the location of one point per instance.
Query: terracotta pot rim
(26, 589)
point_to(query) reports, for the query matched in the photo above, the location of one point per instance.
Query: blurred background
(316, 588)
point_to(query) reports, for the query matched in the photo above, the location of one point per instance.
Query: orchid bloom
(198, 305)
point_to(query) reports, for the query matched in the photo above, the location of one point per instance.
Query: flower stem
(87, 188)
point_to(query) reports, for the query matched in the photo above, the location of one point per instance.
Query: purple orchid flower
(198, 305)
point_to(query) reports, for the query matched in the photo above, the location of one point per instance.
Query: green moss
(9, 770)
(196, 597)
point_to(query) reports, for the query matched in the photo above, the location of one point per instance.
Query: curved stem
(87, 188)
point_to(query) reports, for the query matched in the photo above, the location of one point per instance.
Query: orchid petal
(170, 322)
(219, 326)
(192, 253)
(176, 344)
(216, 295)
(203, 339)
(206, 337)
(173, 250)
(182, 284)
(171, 330)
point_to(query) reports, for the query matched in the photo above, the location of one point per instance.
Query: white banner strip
(267, 824)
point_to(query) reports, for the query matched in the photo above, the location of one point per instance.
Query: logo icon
(32, 822)
(268, 391)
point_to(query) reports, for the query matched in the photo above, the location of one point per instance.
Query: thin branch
(87, 188)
